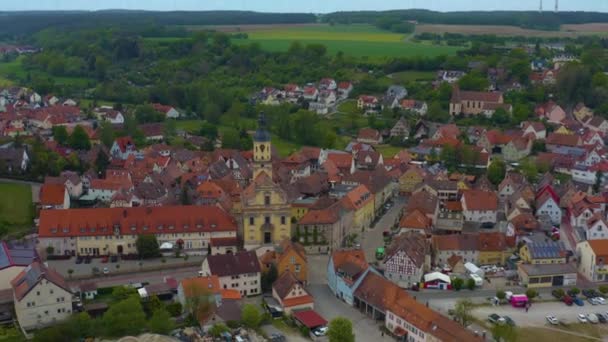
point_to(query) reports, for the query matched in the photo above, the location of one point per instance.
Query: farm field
(14, 69)
(412, 76)
(500, 30)
(355, 40)
(16, 207)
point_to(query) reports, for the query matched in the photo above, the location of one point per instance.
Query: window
(297, 268)
(266, 199)
(251, 220)
(283, 220)
(37, 293)
(267, 219)
(51, 291)
(292, 259)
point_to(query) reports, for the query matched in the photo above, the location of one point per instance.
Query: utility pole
(556, 6)
(541, 6)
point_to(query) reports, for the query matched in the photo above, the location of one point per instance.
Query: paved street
(151, 277)
(372, 238)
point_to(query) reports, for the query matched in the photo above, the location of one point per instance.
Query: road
(372, 237)
(138, 277)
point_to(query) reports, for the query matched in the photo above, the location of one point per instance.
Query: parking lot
(536, 315)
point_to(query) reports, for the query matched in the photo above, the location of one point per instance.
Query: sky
(315, 6)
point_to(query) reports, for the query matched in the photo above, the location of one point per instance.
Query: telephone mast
(541, 6)
(556, 5)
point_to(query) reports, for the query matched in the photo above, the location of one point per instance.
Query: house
(310, 93)
(581, 112)
(416, 221)
(547, 275)
(464, 245)
(115, 230)
(288, 256)
(548, 204)
(204, 287)
(153, 131)
(597, 124)
(54, 196)
(450, 76)
(396, 91)
(410, 179)
(517, 149)
(425, 202)
(494, 248)
(479, 206)
(332, 225)
(401, 129)
(109, 114)
(418, 107)
(565, 144)
(71, 180)
(345, 271)
(368, 103)
(238, 271)
(407, 258)
(447, 131)
(533, 129)
(474, 102)
(328, 84)
(512, 182)
(15, 256)
(551, 111)
(543, 252)
(291, 294)
(456, 265)
(361, 201)
(544, 77)
(122, 148)
(344, 89)
(168, 111)
(369, 136)
(592, 259)
(14, 160)
(42, 297)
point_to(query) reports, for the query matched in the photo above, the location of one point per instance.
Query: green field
(412, 76)
(14, 69)
(356, 40)
(16, 209)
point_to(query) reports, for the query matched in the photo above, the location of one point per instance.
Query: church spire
(262, 154)
(261, 134)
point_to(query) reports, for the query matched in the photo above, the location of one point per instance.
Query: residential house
(153, 131)
(369, 136)
(597, 124)
(534, 129)
(548, 204)
(401, 129)
(445, 190)
(464, 245)
(416, 221)
(425, 202)
(54, 196)
(71, 180)
(450, 76)
(418, 107)
(517, 149)
(114, 231)
(237, 271)
(202, 286)
(581, 112)
(168, 111)
(447, 131)
(109, 114)
(42, 297)
(494, 248)
(479, 206)
(122, 148)
(361, 201)
(597, 228)
(551, 111)
(511, 182)
(410, 179)
(15, 160)
(544, 77)
(291, 294)
(407, 258)
(368, 103)
(474, 102)
(565, 144)
(345, 271)
(593, 255)
(543, 252)
(328, 84)
(393, 96)
(330, 225)
(344, 89)
(287, 257)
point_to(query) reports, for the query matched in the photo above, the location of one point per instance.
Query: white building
(547, 205)
(239, 271)
(479, 206)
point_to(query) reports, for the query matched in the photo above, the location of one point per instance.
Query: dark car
(578, 301)
(557, 294)
(79, 260)
(590, 293)
(114, 258)
(567, 300)
(601, 318)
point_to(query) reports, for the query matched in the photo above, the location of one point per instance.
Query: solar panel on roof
(4, 261)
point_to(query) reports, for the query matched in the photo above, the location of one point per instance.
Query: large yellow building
(361, 201)
(265, 207)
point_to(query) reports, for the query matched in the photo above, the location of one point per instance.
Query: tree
(575, 291)
(471, 284)
(60, 135)
(120, 293)
(531, 293)
(437, 114)
(50, 250)
(251, 316)
(496, 171)
(474, 81)
(106, 134)
(217, 330)
(101, 162)
(161, 322)
(170, 129)
(504, 333)
(124, 318)
(501, 295)
(340, 330)
(231, 139)
(200, 302)
(457, 284)
(269, 277)
(462, 312)
(500, 117)
(530, 170)
(147, 246)
(79, 139)
(603, 289)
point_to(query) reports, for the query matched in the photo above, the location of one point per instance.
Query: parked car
(600, 300)
(320, 331)
(79, 260)
(567, 300)
(106, 270)
(601, 317)
(592, 318)
(496, 319)
(578, 301)
(114, 258)
(592, 301)
(509, 320)
(552, 320)
(590, 293)
(582, 318)
(104, 259)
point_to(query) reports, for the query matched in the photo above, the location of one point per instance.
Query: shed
(309, 318)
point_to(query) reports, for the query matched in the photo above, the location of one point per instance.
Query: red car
(567, 300)
(104, 259)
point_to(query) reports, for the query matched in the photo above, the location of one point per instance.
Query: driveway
(537, 313)
(330, 307)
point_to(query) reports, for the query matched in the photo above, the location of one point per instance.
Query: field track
(250, 28)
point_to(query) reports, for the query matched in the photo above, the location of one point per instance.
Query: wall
(8, 274)
(45, 309)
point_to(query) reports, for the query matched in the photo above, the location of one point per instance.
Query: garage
(547, 275)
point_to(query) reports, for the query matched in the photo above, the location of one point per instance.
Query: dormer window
(133, 228)
(66, 229)
(171, 227)
(160, 227)
(53, 230)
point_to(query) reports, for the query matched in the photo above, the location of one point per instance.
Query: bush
(104, 290)
(471, 284)
(305, 331)
(575, 291)
(175, 309)
(603, 289)
(233, 324)
(457, 284)
(531, 293)
(501, 295)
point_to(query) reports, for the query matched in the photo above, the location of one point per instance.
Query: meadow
(12, 71)
(355, 40)
(16, 209)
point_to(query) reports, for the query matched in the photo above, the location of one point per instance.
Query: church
(266, 211)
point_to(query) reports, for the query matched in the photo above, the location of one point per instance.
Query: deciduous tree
(340, 330)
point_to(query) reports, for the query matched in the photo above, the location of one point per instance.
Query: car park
(582, 318)
(551, 319)
(601, 317)
(578, 301)
(592, 318)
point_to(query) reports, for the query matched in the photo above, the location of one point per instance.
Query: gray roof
(547, 249)
(548, 269)
(233, 264)
(229, 310)
(16, 254)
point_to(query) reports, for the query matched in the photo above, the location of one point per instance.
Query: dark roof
(413, 244)
(548, 269)
(233, 264)
(284, 284)
(25, 281)
(229, 310)
(16, 254)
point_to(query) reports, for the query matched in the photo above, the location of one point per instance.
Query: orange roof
(230, 294)
(355, 256)
(307, 299)
(209, 189)
(341, 160)
(492, 242)
(52, 194)
(415, 220)
(480, 200)
(134, 221)
(600, 248)
(201, 285)
(358, 197)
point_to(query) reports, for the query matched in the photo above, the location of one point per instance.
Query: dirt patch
(500, 30)
(248, 28)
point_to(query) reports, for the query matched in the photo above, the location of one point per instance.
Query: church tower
(262, 155)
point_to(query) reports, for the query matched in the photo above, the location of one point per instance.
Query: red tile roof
(136, 220)
(480, 200)
(368, 134)
(239, 263)
(200, 285)
(309, 318)
(52, 194)
(358, 197)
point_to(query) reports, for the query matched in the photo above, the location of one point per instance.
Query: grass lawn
(15, 69)
(16, 208)
(542, 335)
(284, 147)
(388, 151)
(357, 40)
(412, 76)
(11, 334)
(192, 126)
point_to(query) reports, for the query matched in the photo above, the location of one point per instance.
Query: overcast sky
(317, 6)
